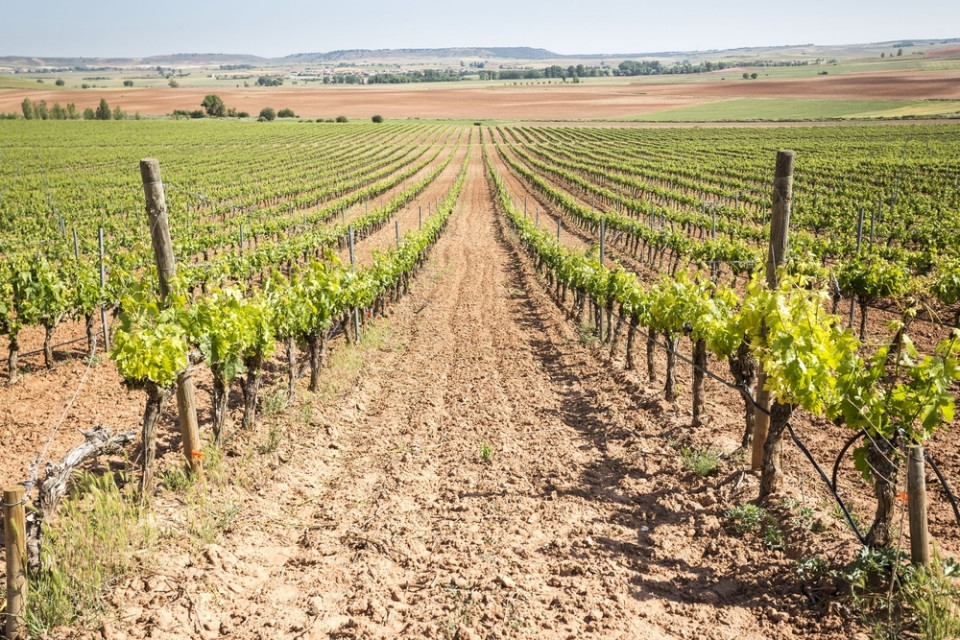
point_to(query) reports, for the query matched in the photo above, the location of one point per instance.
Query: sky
(274, 28)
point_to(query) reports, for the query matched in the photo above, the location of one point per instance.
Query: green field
(791, 109)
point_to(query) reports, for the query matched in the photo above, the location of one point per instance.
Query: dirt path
(486, 478)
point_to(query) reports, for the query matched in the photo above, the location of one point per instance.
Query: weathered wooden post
(356, 312)
(14, 534)
(776, 256)
(167, 269)
(103, 284)
(917, 508)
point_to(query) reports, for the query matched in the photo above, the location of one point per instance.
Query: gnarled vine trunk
(743, 368)
(881, 455)
(670, 378)
(157, 397)
(699, 380)
(771, 475)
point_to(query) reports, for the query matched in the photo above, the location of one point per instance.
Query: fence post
(777, 254)
(103, 284)
(167, 268)
(917, 508)
(14, 533)
(396, 231)
(558, 229)
(353, 267)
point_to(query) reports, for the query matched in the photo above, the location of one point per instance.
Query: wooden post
(167, 269)
(76, 245)
(917, 508)
(779, 232)
(14, 534)
(396, 231)
(419, 217)
(103, 284)
(559, 224)
(853, 298)
(353, 266)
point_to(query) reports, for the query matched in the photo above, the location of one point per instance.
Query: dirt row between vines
(383, 518)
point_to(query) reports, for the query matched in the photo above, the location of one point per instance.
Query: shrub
(286, 112)
(59, 82)
(341, 118)
(267, 114)
(377, 119)
(128, 83)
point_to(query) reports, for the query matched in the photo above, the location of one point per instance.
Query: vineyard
(499, 463)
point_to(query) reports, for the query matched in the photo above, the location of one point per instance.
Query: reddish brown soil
(533, 102)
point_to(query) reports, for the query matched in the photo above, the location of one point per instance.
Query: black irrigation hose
(946, 487)
(832, 487)
(836, 465)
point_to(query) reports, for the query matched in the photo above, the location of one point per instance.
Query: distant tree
(883, 54)
(377, 119)
(128, 83)
(84, 86)
(40, 110)
(173, 83)
(341, 118)
(746, 76)
(899, 52)
(103, 111)
(270, 81)
(89, 114)
(267, 114)
(59, 82)
(753, 76)
(57, 112)
(213, 105)
(118, 113)
(286, 112)
(27, 107)
(72, 111)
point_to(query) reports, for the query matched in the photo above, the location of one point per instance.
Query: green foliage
(213, 105)
(804, 349)
(703, 462)
(103, 110)
(747, 518)
(151, 343)
(267, 114)
(377, 119)
(286, 112)
(486, 452)
(341, 118)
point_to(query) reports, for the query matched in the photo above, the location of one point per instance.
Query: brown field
(527, 102)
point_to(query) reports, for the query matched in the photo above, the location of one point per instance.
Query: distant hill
(448, 53)
(452, 55)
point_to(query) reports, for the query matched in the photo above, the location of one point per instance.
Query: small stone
(507, 581)
(595, 615)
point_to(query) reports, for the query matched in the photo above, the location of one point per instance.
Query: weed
(701, 462)
(273, 440)
(586, 334)
(178, 478)
(892, 596)
(809, 568)
(273, 402)
(748, 518)
(773, 537)
(486, 452)
(97, 538)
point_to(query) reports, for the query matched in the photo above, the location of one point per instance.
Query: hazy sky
(126, 28)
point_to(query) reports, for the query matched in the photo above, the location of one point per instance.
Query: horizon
(117, 30)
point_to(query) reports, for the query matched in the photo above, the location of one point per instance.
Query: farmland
(481, 458)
